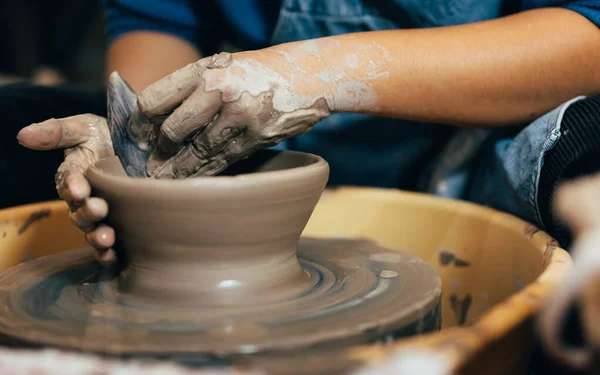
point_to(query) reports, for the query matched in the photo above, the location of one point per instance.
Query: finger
(212, 168)
(238, 149)
(71, 184)
(106, 256)
(242, 147)
(191, 117)
(101, 238)
(220, 133)
(90, 213)
(73, 187)
(57, 133)
(205, 148)
(166, 94)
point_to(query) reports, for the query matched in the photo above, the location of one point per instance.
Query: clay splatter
(36, 216)
(461, 307)
(388, 274)
(446, 258)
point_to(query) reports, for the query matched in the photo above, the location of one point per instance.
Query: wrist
(329, 68)
(296, 79)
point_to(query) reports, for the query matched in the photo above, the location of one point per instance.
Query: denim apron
(493, 168)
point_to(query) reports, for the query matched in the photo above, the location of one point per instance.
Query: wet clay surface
(221, 241)
(62, 300)
(214, 267)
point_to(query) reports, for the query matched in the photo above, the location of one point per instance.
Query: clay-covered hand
(86, 139)
(223, 108)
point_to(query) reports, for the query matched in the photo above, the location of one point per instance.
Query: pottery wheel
(361, 293)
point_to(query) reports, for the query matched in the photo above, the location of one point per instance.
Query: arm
(143, 57)
(150, 39)
(492, 73)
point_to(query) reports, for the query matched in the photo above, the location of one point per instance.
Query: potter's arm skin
(494, 73)
(142, 58)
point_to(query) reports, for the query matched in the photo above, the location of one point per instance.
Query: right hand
(223, 108)
(86, 139)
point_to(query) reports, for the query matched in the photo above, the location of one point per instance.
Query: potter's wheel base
(365, 294)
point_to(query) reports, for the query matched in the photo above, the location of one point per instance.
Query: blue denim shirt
(251, 22)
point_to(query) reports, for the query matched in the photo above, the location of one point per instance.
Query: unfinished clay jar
(228, 240)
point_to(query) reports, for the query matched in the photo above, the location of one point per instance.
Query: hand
(86, 139)
(221, 109)
(578, 203)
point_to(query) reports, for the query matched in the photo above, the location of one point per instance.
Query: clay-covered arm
(494, 73)
(143, 57)
(498, 72)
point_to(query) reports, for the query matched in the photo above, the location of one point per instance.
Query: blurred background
(51, 42)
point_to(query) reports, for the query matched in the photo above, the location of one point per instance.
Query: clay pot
(512, 269)
(218, 241)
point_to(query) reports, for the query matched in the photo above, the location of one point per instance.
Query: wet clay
(220, 241)
(65, 300)
(216, 266)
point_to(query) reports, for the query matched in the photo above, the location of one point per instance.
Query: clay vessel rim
(316, 166)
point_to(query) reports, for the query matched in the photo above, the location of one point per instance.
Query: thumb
(57, 133)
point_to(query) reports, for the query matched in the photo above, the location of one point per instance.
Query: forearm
(143, 57)
(498, 72)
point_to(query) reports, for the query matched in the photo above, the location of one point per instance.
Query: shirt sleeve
(174, 17)
(587, 8)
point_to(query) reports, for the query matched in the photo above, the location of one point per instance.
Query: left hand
(223, 108)
(85, 139)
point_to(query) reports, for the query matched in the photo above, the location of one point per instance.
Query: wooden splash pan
(496, 270)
